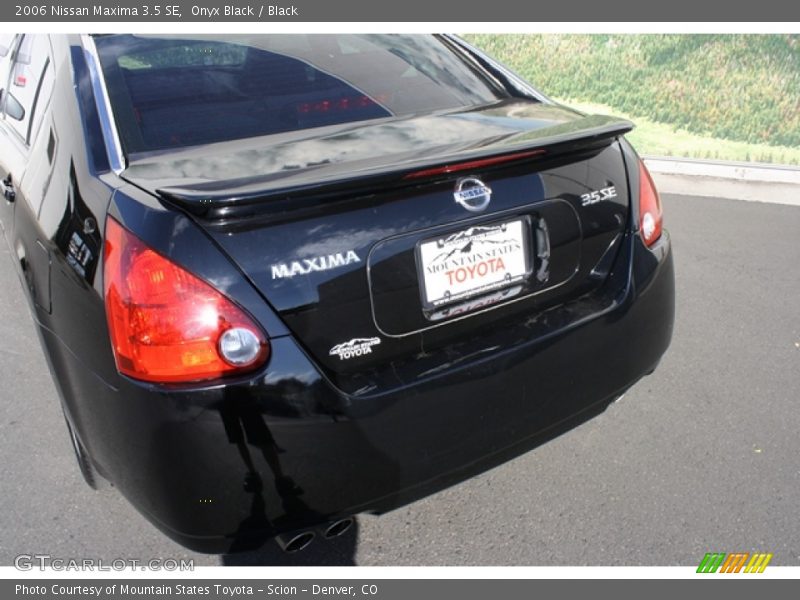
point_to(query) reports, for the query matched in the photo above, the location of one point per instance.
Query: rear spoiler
(319, 184)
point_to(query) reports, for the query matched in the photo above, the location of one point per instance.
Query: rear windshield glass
(176, 91)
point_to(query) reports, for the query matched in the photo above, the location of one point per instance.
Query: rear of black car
(410, 267)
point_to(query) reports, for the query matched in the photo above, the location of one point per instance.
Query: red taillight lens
(167, 325)
(473, 164)
(650, 214)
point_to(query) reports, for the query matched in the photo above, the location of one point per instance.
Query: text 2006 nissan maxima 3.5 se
(283, 280)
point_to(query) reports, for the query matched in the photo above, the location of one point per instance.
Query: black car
(283, 280)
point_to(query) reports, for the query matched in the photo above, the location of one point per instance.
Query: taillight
(167, 325)
(471, 165)
(650, 215)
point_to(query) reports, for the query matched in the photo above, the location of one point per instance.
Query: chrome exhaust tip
(337, 528)
(294, 542)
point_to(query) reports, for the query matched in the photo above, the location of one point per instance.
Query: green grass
(742, 88)
(659, 139)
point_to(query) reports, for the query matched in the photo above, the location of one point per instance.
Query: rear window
(177, 91)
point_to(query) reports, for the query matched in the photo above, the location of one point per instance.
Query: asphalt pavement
(703, 455)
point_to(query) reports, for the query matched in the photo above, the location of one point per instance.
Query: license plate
(473, 262)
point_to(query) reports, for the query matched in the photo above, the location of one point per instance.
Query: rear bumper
(220, 468)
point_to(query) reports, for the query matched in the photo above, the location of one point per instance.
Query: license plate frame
(506, 242)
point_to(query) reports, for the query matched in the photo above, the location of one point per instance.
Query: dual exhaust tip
(297, 540)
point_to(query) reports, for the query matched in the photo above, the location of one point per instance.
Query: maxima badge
(472, 194)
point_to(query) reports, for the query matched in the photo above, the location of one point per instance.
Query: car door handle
(7, 188)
